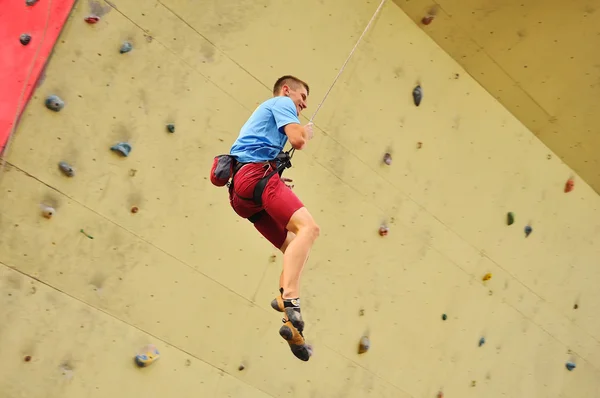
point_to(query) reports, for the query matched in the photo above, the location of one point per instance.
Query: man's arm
(285, 115)
(298, 135)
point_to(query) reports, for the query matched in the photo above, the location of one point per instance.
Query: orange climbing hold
(569, 185)
(487, 277)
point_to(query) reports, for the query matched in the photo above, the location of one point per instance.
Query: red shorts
(279, 201)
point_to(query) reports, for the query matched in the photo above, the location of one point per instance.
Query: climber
(259, 193)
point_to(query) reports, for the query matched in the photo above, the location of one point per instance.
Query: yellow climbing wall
(184, 273)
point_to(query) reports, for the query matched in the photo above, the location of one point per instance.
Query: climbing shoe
(293, 325)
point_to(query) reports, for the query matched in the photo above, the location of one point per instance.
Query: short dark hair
(287, 79)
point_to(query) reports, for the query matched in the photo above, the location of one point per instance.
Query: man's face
(298, 95)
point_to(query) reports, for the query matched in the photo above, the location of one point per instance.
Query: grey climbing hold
(122, 147)
(29, 3)
(54, 103)
(417, 95)
(570, 366)
(126, 47)
(25, 38)
(66, 168)
(171, 128)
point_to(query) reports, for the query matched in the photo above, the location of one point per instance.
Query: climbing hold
(87, 235)
(549, 156)
(92, 19)
(25, 38)
(510, 218)
(147, 356)
(417, 95)
(440, 395)
(569, 185)
(473, 383)
(427, 20)
(27, 358)
(241, 367)
(481, 341)
(126, 47)
(387, 159)
(364, 345)
(54, 103)
(29, 3)
(383, 230)
(134, 209)
(575, 306)
(487, 277)
(122, 147)
(171, 128)
(528, 230)
(361, 312)
(48, 211)
(444, 317)
(419, 145)
(570, 366)
(66, 169)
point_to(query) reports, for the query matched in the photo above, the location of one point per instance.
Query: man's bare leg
(306, 231)
(302, 233)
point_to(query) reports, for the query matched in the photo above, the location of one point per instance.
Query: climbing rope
(291, 152)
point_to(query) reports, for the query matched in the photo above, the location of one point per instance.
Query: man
(277, 213)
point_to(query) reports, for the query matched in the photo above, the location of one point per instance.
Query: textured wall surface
(538, 58)
(184, 273)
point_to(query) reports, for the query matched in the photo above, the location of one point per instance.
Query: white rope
(347, 60)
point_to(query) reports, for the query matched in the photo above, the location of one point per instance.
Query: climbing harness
(226, 166)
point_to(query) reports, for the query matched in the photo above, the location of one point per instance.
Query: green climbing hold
(510, 218)
(171, 128)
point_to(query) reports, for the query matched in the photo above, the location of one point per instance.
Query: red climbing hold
(427, 20)
(383, 230)
(569, 185)
(92, 19)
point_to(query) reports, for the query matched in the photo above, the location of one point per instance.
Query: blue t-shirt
(262, 137)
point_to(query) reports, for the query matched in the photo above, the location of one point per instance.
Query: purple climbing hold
(122, 147)
(66, 168)
(417, 95)
(25, 38)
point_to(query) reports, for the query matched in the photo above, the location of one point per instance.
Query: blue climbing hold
(126, 47)
(528, 230)
(54, 103)
(481, 341)
(122, 147)
(570, 366)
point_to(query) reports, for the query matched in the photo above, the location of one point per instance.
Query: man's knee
(302, 220)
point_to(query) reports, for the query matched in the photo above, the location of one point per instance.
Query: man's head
(294, 88)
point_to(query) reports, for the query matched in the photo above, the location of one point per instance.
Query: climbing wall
(106, 254)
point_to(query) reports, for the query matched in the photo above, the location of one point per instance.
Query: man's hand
(285, 180)
(308, 131)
